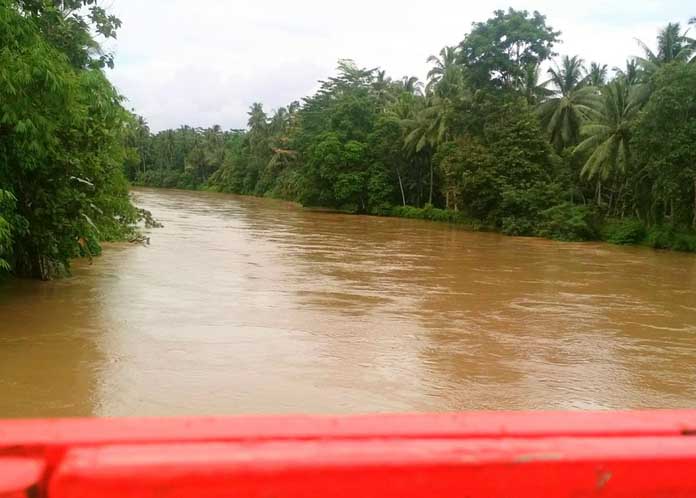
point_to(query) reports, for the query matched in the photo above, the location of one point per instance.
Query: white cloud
(204, 62)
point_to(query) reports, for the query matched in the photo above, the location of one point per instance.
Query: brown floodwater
(244, 305)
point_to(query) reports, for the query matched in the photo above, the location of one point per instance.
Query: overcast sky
(204, 62)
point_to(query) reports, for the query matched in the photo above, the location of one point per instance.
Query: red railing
(482, 454)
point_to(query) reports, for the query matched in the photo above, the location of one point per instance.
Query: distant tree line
(583, 153)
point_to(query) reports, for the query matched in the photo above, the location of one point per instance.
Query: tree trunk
(620, 201)
(671, 210)
(430, 196)
(401, 186)
(693, 221)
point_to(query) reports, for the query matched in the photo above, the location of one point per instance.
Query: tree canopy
(581, 153)
(62, 130)
(502, 134)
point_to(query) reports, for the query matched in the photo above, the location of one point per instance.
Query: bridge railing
(475, 455)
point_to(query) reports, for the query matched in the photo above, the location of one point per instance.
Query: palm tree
(606, 139)
(411, 84)
(692, 41)
(672, 46)
(442, 65)
(597, 75)
(381, 87)
(257, 117)
(631, 74)
(258, 128)
(420, 138)
(428, 128)
(532, 90)
(564, 114)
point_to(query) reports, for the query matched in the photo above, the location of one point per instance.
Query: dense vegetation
(63, 137)
(577, 156)
(580, 155)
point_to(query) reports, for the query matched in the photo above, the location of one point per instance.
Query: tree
(62, 135)
(430, 127)
(496, 52)
(410, 84)
(442, 66)
(385, 144)
(631, 74)
(534, 91)
(7, 204)
(607, 138)
(663, 141)
(382, 89)
(523, 165)
(564, 114)
(672, 46)
(67, 25)
(480, 140)
(597, 75)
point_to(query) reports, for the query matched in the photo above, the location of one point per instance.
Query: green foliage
(668, 237)
(434, 214)
(568, 222)
(7, 204)
(61, 139)
(483, 143)
(572, 104)
(498, 51)
(663, 144)
(628, 231)
(607, 136)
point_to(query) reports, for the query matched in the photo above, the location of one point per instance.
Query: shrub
(568, 222)
(517, 225)
(624, 232)
(668, 237)
(433, 214)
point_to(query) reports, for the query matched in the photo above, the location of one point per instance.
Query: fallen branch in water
(150, 221)
(140, 239)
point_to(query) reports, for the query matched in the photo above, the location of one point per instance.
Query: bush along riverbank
(63, 138)
(488, 141)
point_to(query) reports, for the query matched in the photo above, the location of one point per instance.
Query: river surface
(244, 305)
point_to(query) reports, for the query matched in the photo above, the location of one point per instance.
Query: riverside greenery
(63, 136)
(503, 135)
(487, 141)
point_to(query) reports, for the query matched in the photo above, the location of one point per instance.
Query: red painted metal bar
(19, 475)
(491, 454)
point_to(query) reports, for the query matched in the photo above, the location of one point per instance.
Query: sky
(204, 62)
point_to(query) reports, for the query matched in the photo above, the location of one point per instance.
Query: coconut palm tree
(672, 45)
(563, 114)
(428, 128)
(631, 74)
(597, 75)
(532, 90)
(606, 139)
(411, 84)
(442, 65)
(381, 87)
(258, 120)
